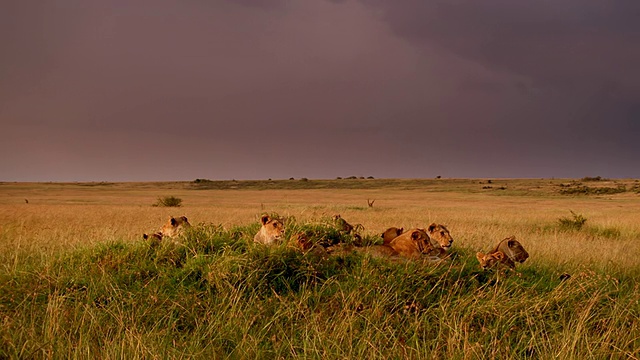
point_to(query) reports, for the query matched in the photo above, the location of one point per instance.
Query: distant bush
(198, 181)
(575, 222)
(370, 177)
(304, 179)
(168, 201)
(595, 178)
(586, 190)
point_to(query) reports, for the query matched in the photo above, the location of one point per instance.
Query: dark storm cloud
(121, 90)
(555, 43)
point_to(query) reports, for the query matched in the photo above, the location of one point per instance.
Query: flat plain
(65, 249)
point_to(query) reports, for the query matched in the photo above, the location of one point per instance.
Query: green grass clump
(168, 201)
(575, 222)
(213, 293)
(587, 190)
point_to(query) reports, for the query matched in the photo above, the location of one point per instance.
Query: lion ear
(265, 219)
(184, 218)
(479, 256)
(173, 221)
(499, 255)
(432, 227)
(415, 235)
(401, 230)
(145, 236)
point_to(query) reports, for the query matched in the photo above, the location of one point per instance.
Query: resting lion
(413, 244)
(272, 231)
(175, 226)
(155, 238)
(507, 252)
(390, 234)
(344, 226)
(172, 228)
(440, 236)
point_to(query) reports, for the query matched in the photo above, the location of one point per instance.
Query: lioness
(412, 244)
(175, 226)
(440, 236)
(306, 245)
(378, 251)
(272, 230)
(390, 234)
(155, 238)
(507, 252)
(344, 226)
(488, 261)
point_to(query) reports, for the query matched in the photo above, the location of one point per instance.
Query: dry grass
(60, 216)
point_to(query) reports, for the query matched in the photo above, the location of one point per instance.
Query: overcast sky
(120, 90)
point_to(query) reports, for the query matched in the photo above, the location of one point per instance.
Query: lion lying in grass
(438, 234)
(175, 226)
(412, 244)
(172, 228)
(506, 253)
(271, 232)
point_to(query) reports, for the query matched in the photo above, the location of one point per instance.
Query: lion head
(175, 226)
(440, 236)
(512, 249)
(390, 234)
(488, 261)
(302, 241)
(155, 238)
(342, 224)
(272, 231)
(412, 244)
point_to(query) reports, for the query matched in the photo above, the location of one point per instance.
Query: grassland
(78, 281)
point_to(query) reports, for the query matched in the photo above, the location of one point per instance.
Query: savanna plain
(77, 280)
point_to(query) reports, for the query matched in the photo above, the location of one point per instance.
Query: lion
(498, 258)
(175, 226)
(390, 234)
(344, 226)
(508, 252)
(440, 236)
(155, 238)
(383, 251)
(302, 241)
(272, 231)
(413, 244)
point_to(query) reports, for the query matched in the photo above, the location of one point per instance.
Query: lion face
(155, 238)
(272, 231)
(440, 236)
(488, 261)
(302, 241)
(412, 243)
(342, 224)
(390, 234)
(175, 226)
(496, 258)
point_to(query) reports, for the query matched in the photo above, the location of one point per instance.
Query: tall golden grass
(61, 216)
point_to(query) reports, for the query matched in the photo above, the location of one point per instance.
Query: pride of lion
(431, 243)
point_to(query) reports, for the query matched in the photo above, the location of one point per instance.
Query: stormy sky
(119, 90)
